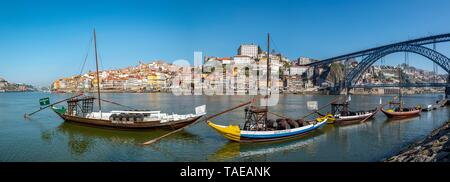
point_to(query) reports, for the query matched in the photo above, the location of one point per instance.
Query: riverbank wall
(434, 148)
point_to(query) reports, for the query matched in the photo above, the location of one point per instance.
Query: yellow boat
(257, 126)
(234, 133)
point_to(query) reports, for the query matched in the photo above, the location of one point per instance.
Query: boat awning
(136, 112)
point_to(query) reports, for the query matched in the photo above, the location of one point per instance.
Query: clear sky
(41, 41)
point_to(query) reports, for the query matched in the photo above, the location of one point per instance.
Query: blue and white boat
(234, 133)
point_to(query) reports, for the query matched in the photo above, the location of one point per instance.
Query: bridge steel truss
(416, 42)
(438, 58)
(373, 85)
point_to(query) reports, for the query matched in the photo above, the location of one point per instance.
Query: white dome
(2, 80)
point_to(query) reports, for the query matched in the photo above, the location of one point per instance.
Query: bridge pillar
(447, 92)
(447, 89)
(347, 87)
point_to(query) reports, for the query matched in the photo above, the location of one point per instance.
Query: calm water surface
(46, 137)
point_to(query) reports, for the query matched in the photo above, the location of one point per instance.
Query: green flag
(44, 101)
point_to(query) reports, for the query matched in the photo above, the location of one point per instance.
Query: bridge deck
(418, 41)
(402, 85)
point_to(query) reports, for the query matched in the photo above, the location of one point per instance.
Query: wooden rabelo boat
(259, 129)
(344, 116)
(257, 126)
(80, 110)
(130, 119)
(397, 110)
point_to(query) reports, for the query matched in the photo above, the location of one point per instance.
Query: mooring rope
(279, 115)
(315, 111)
(205, 119)
(115, 103)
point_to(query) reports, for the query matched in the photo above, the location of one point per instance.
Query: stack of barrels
(283, 124)
(127, 117)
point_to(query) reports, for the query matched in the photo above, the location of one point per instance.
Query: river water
(46, 137)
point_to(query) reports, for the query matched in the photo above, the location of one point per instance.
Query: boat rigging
(259, 128)
(342, 114)
(397, 109)
(80, 109)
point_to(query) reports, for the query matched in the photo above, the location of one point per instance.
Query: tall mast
(268, 71)
(400, 89)
(98, 77)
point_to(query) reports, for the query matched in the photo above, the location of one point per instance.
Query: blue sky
(41, 41)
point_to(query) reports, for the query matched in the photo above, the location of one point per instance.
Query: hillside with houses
(250, 60)
(6, 86)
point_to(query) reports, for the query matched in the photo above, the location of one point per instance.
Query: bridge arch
(440, 59)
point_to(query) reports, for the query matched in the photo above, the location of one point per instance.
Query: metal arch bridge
(370, 56)
(372, 85)
(434, 56)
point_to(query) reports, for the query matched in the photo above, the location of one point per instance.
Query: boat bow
(232, 132)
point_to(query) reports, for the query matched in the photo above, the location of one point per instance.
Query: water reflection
(47, 138)
(365, 124)
(114, 135)
(233, 150)
(181, 140)
(404, 120)
(79, 145)
(80, 138)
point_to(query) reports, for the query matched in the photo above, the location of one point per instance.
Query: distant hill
(6, 86)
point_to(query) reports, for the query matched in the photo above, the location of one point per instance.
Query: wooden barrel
(271, 123)
(283, 125)
(292, 123)
(300, 122)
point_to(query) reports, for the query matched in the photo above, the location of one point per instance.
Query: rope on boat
(228, 110)
(205, 119)
(316, 111)
(279, 115)
(378, 109)
(365, 119)
(28, 115)
(115, 103)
